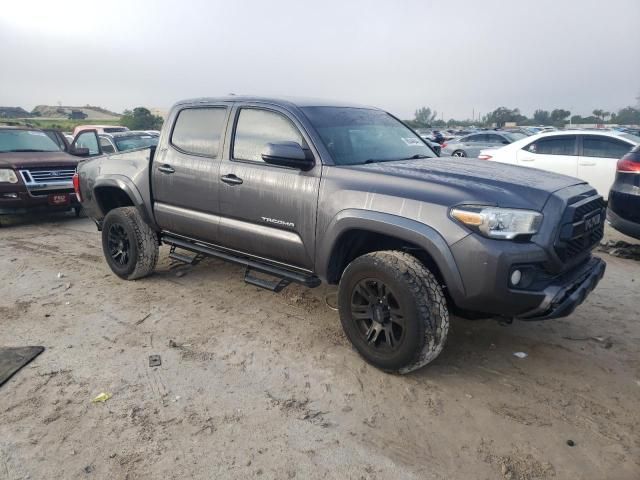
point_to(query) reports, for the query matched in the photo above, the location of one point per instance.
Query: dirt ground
(256, 384)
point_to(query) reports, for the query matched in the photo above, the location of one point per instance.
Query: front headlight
(501, 223)
(8, 176)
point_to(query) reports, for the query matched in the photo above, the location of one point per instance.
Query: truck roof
(282, 101)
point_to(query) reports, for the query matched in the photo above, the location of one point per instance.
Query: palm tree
(599, 114)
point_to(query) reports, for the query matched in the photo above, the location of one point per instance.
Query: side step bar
(276, 285)
(283, 274)
(184, 258)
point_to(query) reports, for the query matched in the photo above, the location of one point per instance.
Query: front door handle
(166, 169)
(587, 164)
(231, 179)
(527, 159)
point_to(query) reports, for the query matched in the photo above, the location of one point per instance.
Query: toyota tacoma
(309, 191)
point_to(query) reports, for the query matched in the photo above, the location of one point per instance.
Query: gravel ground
(256, 384)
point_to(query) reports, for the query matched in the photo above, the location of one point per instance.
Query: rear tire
(130, 246)
(393, 311)
(459, 153)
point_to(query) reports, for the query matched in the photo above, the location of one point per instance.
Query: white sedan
(589, 155)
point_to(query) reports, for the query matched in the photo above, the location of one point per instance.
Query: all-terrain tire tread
(430, 300)
(147, 243)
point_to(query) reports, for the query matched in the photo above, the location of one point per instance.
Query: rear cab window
(198, 130)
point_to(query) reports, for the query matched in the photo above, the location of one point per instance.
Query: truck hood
(37, 159)
(465, 180)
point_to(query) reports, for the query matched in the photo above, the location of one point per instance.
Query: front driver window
(90, 141)
(256, 128)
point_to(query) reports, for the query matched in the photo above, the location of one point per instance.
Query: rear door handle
(166, 169)
(587, 164)
(527, 159)
(231, 179)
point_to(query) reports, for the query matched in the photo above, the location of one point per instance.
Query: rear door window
(197, 131)
(480, 138)
(553, 146)
(603, 147)
(497, 139)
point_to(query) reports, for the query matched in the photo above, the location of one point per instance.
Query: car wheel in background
(130, 246)
(459, 153)
(393, 311)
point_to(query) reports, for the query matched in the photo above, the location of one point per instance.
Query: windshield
(26, 141)
(137, 141)
(629, 136)
(355, 136)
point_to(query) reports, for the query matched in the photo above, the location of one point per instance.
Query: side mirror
(79, 152)
(505, 142)
(287, 154)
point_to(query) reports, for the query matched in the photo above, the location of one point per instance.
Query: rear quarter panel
(128, 171)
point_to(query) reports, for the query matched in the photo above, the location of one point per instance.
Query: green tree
(541, 117)
(502, 115)
(599, 114)
(627, 116)
(425, 117)
(559, 116)
(141, 119)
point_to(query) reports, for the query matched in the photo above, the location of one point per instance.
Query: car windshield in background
(354, 136)
(136, 141)
(629, 136)
(26, 141)
(115, 129)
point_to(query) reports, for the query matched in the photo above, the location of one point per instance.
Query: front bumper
(568, 291)
(623, 225)
(485, 266)
(27, 203)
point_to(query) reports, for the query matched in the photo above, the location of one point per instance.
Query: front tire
(393, 311)
(130, 246)
(459, 153)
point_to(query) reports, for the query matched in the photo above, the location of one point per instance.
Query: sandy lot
(255, 384)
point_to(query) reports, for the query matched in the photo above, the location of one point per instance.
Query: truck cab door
(268, 211)
(184, 174)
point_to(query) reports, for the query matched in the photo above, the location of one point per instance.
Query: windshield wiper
(413, 157)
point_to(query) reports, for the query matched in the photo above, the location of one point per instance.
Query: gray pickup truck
(308, 191)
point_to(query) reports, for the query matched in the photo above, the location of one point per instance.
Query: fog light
(10, 195)
(516, 276)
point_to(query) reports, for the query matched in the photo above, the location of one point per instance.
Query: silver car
(470, 145)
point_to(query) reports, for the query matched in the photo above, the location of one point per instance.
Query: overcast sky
(454, 56)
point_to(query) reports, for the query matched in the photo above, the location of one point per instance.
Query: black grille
(587, 208)
(582, 229)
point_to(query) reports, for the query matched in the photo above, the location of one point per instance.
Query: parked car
(309, 191)
(434, 145)
(100, 129)
(122, 141)
(470, 145)
(35, 173)
(589, 155)
(624, 198)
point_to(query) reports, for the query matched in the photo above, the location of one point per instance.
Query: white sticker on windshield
(413, 142)
(40, 134)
